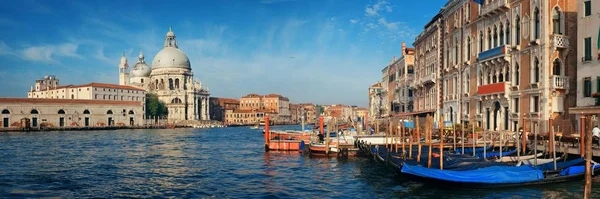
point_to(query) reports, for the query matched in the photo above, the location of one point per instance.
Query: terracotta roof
(104, 85)
(251, 95)
(68, 101)
(228, 100)
(250, 111)
(376, 85)
(99, 85)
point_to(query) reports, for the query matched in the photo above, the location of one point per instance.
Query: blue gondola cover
(493, 174)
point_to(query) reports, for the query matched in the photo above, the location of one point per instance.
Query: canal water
(193, 163)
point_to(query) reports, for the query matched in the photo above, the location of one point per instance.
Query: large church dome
(170, 56)
(141, 69)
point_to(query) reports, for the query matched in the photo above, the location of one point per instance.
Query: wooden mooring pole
(587, 189)
(418, 128)
(441, 141)
(429, 130)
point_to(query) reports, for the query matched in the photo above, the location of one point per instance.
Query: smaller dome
(141, 69)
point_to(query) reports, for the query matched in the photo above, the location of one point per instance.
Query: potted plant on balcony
(597, 96)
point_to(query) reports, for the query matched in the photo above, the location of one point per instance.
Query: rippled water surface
(192, 163)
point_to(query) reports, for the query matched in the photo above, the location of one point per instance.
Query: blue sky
(319, 51)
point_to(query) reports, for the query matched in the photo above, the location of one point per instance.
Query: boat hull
(286, 145)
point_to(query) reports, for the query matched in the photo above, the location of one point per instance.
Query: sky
(312, 51)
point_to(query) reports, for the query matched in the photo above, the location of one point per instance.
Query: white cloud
(353, 21)
(392, 26)
(5, 49)
(371, 11)
(46, 53)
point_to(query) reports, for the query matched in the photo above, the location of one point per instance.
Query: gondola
(494, 177)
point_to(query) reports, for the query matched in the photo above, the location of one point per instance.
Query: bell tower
(123, 71)
(170, 40)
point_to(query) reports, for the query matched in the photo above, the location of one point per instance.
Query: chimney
(403, 48)
(394, 58)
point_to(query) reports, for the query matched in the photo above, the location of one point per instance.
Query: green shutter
(588, 49)
(588, 8)
(598, 84)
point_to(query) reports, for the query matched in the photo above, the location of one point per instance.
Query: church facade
(171, 79)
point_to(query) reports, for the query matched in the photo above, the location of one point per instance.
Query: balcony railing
(494, 7)
(500, 50)
(494, 88)
(559, 82)
(428, 78)
(560, 41)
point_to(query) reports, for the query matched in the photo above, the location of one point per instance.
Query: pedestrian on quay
(596, 134)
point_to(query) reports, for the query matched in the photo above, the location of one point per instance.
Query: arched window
(556, 67)
(518, 30)
(34, 111)
(156, 84)
(501, 34)
(131, 112)
(489, 38)
(176, 101)
(501, 77)
(556, 18)
(177, 83)
(507, 32)
(468, 48)
(507, 75)
(456, 52)
(481, 41)
(87, 112)
(109, 112)
(72, 96)
(142, 80)
(5, 111)
(61, 112)
(171, 84)
(536, 71)
(516, 74)
(536, 23)
(495, 36)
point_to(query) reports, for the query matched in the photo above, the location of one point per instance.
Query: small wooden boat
(516, 159)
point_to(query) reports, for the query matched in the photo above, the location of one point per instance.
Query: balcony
(560, 41)
(428, 78)
(494, 7)
(491, 53)
(495, 88)
(559, 82)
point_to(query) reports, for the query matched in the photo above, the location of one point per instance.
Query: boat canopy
(488, 175)
(574, 170)
(469, 150)
(559, 165)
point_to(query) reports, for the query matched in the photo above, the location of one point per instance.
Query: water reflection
(192, 163)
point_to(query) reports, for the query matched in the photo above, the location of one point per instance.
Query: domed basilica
(171, 78)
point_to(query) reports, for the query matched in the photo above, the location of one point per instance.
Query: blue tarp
(559, 165)
(408, 124)
(574, 170)
(469, 150)
(493, 174)
(490, 154)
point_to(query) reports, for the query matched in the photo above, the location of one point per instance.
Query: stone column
(207, 108)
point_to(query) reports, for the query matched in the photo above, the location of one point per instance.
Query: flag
(480, 2)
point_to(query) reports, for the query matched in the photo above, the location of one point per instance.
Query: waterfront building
(247, 117)
(276, 105)
(385, 103)
(588, 75)
(497, 62)
(50, 88)
(310, 111)
(171, 79)
(296, 113)
(405, 80)
(428, 60)
(218, 106)
(392, 105)
(68, 113)
(376, 102)
(342, 112)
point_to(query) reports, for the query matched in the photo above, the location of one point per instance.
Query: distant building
(376, 102)
(218, 106)
(49, 88)
(276, 105)
(65, 113)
